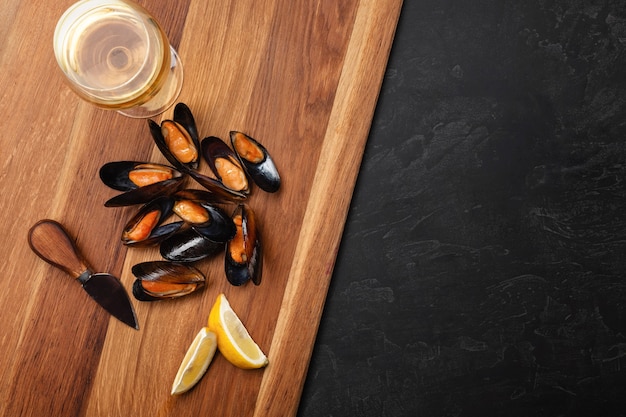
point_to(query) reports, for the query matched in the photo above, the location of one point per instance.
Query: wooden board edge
(334, 182)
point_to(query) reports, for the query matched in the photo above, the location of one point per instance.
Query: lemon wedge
(233, 339)
(196, 361)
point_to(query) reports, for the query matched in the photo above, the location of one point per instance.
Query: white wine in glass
(116, 56)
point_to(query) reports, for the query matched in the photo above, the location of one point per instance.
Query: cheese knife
(52, 243)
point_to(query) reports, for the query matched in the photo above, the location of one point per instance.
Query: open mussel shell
(145, 228)
(256, 160)
(178, 139)
(225, 165)
(158, 280)
(187, 245)
(140, 181)
(243, 259)
(206, 218)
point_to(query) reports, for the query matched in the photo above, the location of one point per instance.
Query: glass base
(166, 97)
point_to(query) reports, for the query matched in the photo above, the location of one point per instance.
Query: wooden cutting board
(303, 78)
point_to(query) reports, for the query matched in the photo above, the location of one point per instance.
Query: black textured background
(481, 271)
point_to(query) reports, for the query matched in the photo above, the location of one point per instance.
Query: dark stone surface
(481, 271)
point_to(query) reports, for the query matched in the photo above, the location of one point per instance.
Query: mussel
(204, 217)
(177, 139)
(256, 160)
(243, 259)
(140, 181)
(158, 280)
(230, 176)
(145, 227)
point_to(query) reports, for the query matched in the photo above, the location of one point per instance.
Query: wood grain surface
(303, 78)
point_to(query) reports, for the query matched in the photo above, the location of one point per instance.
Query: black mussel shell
(145, 228)
(188, 246)
(130, 177)
(222, 160)
(256, 160)
(186, 125)
(243, 259)
(158, 280)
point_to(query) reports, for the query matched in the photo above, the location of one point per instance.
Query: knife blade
(49, 240)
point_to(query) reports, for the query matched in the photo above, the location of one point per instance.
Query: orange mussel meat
(142, 229)
(146, 226)
(231, 173)
(246, 148)
(179, 142)
(191, 212)
(147, 174)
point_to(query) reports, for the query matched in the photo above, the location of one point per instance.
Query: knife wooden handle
(51, 242)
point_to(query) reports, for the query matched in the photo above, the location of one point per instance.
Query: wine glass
(115, 55)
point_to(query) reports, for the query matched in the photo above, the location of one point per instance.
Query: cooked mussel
(225, 165)
(145, 227)
(256, 160)
(243, 259)
(158, 280)
(178, 139)
(140, 181)
(204, 217)
(187, 245)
